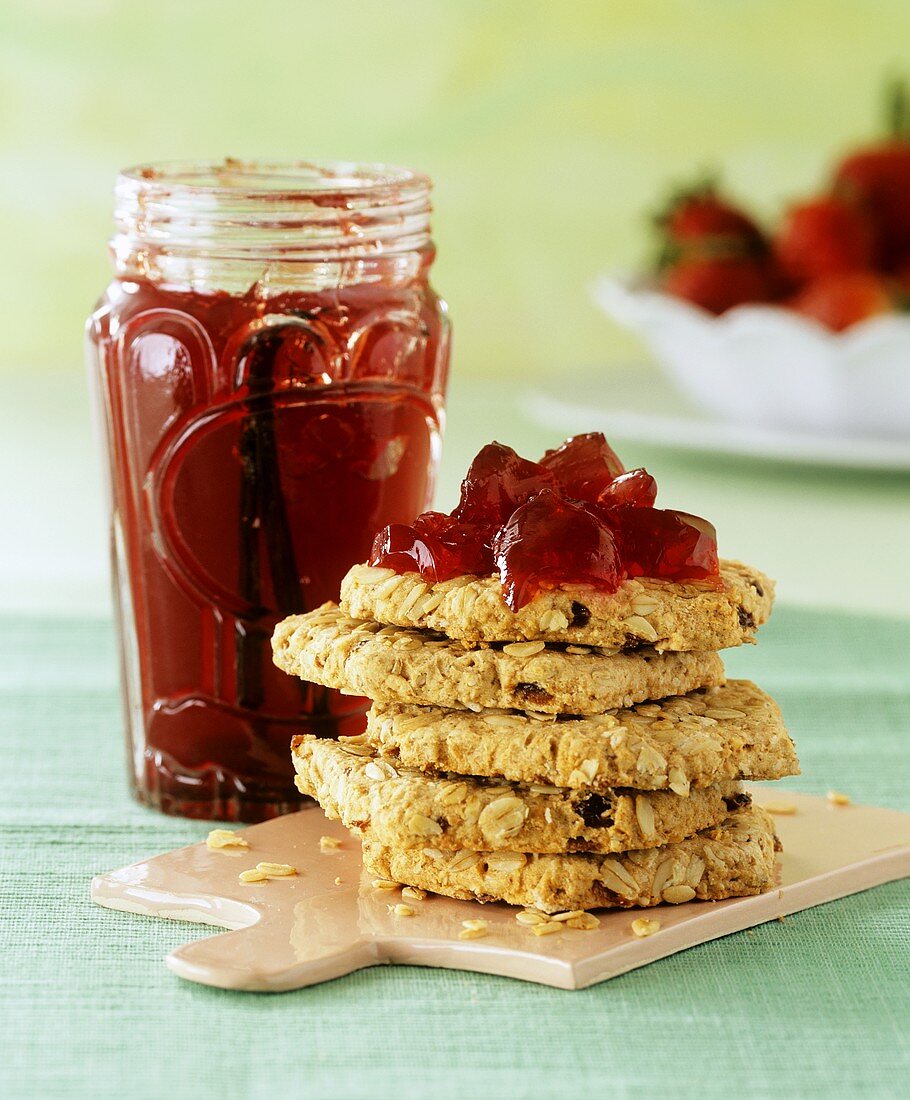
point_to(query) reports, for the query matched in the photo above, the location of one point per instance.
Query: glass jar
(271, 367)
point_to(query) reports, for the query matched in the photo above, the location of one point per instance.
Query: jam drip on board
(575, 517)
(257, 443)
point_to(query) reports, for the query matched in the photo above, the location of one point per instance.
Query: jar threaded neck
(167, 215)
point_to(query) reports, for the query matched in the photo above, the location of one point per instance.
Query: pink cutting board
(292, 932)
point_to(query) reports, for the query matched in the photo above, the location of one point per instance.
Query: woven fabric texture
(818, 1005)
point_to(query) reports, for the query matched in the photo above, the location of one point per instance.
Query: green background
(550, 128)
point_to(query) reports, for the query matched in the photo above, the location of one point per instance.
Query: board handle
(304, 944)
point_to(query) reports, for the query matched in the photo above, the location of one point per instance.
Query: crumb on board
(783, 809)
(276, 870)
(531, 917)
(221, 839)
(547, 928)
(252, 875)
(586, 922)
(402, 910)
(473, 929)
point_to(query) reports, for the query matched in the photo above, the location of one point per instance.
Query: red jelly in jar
(271, 364)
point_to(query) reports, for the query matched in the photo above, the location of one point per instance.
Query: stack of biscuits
(585, 751)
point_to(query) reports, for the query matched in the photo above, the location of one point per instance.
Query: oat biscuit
(733, 859)
(730, 732)
(403, 808)
(392, 664)
(667, 614)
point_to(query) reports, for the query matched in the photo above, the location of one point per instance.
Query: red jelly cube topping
(584, 465)
(636, 488)
(401, 547)
(436, 546)
(576, 517)
(498, 481)
(467, 543)
(659, 542)
(553, 541)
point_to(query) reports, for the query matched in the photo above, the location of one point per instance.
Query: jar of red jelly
(271, 364)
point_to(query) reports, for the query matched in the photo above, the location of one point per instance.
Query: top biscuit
(667, 615)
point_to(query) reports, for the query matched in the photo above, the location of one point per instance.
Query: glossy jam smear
(575, 517)
(257, 445)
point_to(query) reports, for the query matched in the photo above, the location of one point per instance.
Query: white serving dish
(769, 367)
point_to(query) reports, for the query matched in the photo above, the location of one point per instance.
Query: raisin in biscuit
(391, 664)
(732, 859)
(730, 732)
(665, 614)
(404, 808)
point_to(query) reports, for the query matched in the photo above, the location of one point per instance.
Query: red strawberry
(840, 301)
(824, 236)
(878, 178)
(699, 220)
(900, 289)
(721, 282)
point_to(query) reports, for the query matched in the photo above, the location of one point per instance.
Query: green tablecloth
(819, 1005)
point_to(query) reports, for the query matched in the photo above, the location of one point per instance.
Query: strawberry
(842, 300)
(878, 178)
(718, 283)
(824, 236)
(699, 221)
(900, 288)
